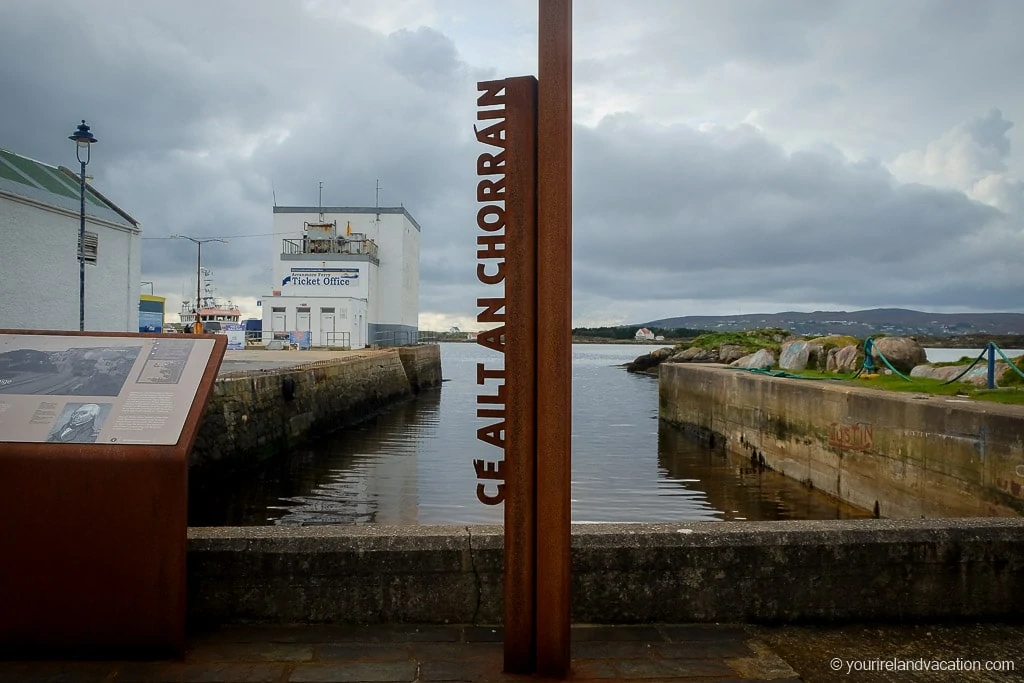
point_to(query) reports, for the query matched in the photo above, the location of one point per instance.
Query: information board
(103, 390)
(236, 336)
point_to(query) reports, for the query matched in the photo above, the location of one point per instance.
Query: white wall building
(39, 269)
(644, 334)
(348, 275)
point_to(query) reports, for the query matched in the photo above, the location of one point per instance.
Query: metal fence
(343, 340)
(389, 338)
(338, 340)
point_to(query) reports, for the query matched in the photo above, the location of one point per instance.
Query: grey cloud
(206, 110)
(732, 216)
(425, 57)
(962, 156)
(877, 76)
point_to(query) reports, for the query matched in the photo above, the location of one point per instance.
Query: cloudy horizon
(729, 157)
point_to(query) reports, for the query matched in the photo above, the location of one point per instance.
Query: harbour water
(951, 355)
(414, 464)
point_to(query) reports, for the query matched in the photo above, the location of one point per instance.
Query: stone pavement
(255, 360)
(326, 654)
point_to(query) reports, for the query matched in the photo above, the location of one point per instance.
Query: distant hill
(893, 321)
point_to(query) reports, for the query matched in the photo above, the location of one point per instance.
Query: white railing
(338, 340)
(389, 338)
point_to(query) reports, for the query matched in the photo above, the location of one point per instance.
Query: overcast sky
(729, 157)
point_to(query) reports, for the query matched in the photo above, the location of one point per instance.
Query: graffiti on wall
(855, 437)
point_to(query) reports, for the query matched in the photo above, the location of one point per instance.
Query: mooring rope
(868, 347)
(969, 367)
(1008, 361)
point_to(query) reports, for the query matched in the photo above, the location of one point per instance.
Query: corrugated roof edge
(113, 207)
(350, 209)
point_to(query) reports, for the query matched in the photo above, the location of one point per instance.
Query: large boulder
(823, 349)
(728, 353)
(903, 353)
(978, 375)
(845, 360)
(694, 354)
(836, 341)
(817, 356)
(794, 355)
(943, 373)
(649, 361)
(761, 359)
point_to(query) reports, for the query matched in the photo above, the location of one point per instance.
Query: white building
(644, 334)
(39, 268)
(348, 275)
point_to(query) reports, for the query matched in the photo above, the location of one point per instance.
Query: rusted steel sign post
(525, 243)
(95, 434)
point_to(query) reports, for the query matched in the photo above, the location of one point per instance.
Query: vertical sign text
(490, 270)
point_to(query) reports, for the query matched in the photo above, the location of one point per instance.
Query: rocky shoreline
(836, 354)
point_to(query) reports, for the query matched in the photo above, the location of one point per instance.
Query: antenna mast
(321, 201)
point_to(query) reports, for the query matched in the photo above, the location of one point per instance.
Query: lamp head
(82, 136)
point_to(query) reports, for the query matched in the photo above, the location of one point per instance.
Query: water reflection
(414, 464)
(734, 489)
(365, 474)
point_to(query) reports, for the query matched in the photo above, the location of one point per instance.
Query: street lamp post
(197, 327)
(83, 140)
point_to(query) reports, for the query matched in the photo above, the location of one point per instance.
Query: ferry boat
(213, 312)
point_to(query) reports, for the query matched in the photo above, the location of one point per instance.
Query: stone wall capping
(758, 572)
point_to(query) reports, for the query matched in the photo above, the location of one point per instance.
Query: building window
(302, 310)
(327, 310)
(92, 247)
(275, 309)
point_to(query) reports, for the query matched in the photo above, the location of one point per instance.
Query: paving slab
(650, 653)
(259, 360)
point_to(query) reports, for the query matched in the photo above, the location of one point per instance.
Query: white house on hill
(644, 334)
(39, 269)
(348, 275)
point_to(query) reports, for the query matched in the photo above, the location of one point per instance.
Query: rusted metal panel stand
(526, 229)
(554, 335)
(94, 537)
(521, 379)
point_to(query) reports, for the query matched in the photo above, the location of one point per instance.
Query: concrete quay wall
(759, 572)
(256, 414)
(904, 455)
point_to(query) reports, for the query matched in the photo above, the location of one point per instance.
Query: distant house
(644, 334)
(39, 235)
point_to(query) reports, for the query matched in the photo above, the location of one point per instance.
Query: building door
(327, 335)
(278, 322)
(302, 320)
(359, 341)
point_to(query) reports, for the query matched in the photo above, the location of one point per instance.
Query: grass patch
(964, 360)
(1012, 395)
(750, 340)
